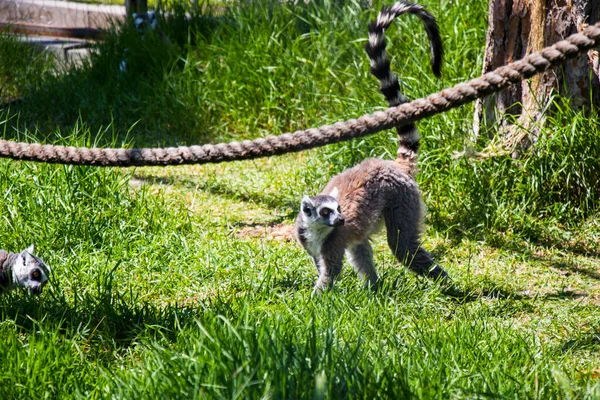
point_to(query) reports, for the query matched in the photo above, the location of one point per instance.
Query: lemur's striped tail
(380, 67)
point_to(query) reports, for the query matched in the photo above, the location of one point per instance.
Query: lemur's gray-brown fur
(23, 270)
(358, 202)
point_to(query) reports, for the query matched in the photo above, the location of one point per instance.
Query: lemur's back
(369, 190)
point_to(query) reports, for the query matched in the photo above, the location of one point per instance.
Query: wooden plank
(45, 30)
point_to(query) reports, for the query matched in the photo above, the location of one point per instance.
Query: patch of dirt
(280, 232)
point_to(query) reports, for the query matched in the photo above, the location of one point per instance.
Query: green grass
(173, 282)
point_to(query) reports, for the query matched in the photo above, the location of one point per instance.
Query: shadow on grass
(226, 191)
(463, 296)
(571, 268)
(122, 318)
(102, 95)
(109, 316)
(566, 295)
(589, 341)
(469, 227)
(105, 311)
(565, 264)
(450, 290)
(585, 249)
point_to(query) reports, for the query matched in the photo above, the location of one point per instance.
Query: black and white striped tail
(380, 65)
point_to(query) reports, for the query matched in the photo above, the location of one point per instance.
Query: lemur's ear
(335, 193)
(29, 249)
(307, 205)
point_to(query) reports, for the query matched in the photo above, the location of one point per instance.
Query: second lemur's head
(322, 210)
(30, 272)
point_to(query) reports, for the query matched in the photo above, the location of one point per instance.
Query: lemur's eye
(339, 209)
(35, 275)
(325, 212)
(307, 211)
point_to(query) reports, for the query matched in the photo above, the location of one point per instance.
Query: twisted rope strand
(401, 115)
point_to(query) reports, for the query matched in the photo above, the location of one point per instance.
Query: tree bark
(136, 6)
(520, 27)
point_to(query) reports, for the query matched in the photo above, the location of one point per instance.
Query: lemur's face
(323, 210)
(143, 21)
(29, 272)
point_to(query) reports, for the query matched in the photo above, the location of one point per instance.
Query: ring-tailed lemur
(24, 270)
(356, 203)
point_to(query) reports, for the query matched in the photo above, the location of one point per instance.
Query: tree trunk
(136, 6)
(520, 27)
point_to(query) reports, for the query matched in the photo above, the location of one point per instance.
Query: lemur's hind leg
(419, 261)
(403, 239)
(360, 257)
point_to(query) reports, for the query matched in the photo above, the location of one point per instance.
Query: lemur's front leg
(329, 264)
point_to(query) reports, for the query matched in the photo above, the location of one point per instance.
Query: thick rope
(307, 139)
